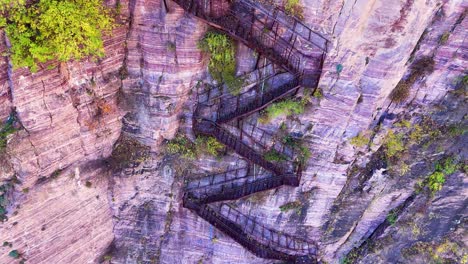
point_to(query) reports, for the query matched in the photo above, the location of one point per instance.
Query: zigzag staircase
(268, 32)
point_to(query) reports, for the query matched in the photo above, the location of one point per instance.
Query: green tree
(44, 30)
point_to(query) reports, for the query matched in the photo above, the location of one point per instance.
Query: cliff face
(68, 204)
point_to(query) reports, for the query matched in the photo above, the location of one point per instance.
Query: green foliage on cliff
(181, 145)
(394, 144)
(5, 188)
(273, 155)
(392, 217)
(4, 133)
(436, 180)
(45, 30)
(360, 140)
(294, 8)
(286, 107)
(6, 130)
(222, 65)
(208, 145)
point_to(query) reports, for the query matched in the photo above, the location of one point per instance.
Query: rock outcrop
(67, 204)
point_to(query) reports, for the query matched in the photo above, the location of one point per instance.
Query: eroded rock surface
(72, 114)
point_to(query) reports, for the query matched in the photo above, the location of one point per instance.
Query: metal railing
(261, 33)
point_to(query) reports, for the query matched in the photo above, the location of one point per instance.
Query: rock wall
(70, 117)
(74, 112)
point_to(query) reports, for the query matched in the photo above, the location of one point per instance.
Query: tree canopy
(43, 30)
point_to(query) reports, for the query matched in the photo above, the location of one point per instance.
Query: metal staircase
(262, 241)
(280, 38)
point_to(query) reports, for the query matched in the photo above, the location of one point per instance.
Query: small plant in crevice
(444, 38)
(7, 244)
(295, 205)
(360, 140)
(56, 173)
(443, 168)
(392, 217)
(318, 93)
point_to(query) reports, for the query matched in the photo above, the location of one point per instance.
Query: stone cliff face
(68, 204)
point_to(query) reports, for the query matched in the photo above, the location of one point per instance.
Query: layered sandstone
(73, 113)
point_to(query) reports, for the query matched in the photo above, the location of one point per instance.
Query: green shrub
(359, 140)
(181, 145)
(448, 166)
(294, 8)
(457, 130)
(45, 30)
(222, 65)
(416, 134)
(286, 107)
(208, 145)
(394, 144)
(435, 181)
(318, 93)
(392, 217)
(273, 155)
(203, 145)
(7, 129)
(403, 123)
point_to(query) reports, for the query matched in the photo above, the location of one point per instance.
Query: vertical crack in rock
(45, 104)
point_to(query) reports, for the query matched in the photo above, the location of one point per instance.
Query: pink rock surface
(151, 67)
